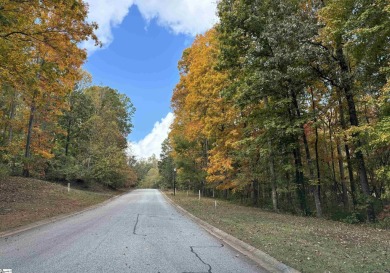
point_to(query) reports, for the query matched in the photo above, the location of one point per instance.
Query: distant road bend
(137, 232)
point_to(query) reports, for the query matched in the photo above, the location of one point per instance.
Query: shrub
(4, 171)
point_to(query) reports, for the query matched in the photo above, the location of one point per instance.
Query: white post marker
(68, 187)
(215, 203)
(199, 194)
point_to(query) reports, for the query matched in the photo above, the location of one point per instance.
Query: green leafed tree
(166, 167)
(286, 102)
(94, 143)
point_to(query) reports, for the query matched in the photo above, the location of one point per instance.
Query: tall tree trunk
(289, 195)
(273, 182)
(355, 122)
(360, 158)
(347, 153)
(335, 185)
(299, 180)
(271, 163)
(316, 191)
(342, 175)
(255, 196)
(263, 193)
(350, 173)
(27, 153)
(317, 187)
(11, 117)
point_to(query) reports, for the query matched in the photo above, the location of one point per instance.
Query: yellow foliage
(201, 113)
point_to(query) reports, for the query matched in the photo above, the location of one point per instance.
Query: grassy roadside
(306, 244)
(24, 201)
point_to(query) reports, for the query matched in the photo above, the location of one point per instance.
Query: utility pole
(174, 182)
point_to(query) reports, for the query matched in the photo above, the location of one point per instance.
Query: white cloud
(151, 144)
(107, 14)
(181, 16)
(188, 17)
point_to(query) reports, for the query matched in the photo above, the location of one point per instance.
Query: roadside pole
(174, 182)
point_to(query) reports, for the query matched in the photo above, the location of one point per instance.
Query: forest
(54, 124)
(285, 105)
(277, 158)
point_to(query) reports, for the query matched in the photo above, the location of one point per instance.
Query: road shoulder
(259, 257)
(15, 231)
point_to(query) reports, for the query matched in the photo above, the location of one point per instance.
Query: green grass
(24, 201)
(306, 244)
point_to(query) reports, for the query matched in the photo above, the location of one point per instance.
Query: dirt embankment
(25, 200)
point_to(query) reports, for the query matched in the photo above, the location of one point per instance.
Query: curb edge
(54, 219)
(259, 257)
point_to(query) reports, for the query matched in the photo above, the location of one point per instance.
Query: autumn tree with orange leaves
(286, 103)
(40, 64)
(202, 116)
(54, 125)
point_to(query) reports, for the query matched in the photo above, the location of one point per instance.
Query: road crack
(135, 226)
(200, 259)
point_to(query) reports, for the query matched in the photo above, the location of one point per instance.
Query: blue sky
(143, 42)
(142, 63)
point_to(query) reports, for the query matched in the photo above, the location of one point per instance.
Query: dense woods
(285, 104)
(53, 123)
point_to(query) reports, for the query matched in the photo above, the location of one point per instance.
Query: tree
(93, 146)
(41, 60)
(166, 167)
(53, 27)
(349, 27)
(280, 97)
(263, 43)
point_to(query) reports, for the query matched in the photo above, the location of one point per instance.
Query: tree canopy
(53, 124)
(287, 102)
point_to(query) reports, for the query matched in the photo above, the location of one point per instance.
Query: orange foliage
(200, 111)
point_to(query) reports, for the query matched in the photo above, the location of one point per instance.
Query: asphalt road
(137, 232)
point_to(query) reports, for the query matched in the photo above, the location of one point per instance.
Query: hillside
(25, 200)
